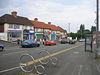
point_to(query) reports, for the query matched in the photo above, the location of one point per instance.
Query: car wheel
(1, 49)
(23, 47)
(38, 45)
(49, 44)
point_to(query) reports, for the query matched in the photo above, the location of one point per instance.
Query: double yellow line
(53, 54)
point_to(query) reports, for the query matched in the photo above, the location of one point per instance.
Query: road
(72, 60)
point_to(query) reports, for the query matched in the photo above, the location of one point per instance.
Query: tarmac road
(71, 61)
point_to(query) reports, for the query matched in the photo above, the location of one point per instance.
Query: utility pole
(97, 23)
(97, 15)
(97, 30)
(69, 29)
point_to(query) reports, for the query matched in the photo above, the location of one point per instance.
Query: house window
(13, 26)
(10, 26)
(16, 26)
(39, 30)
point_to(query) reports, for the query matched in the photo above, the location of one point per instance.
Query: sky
(68, 14)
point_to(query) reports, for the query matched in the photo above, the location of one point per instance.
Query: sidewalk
(78, 62)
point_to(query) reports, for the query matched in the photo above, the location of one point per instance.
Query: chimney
(14, 13)
(49, 22)
(36, 19)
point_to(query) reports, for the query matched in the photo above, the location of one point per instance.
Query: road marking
(98, 67)
(42, 58)
(80, 69)
(9, 69)
(13, 53)
(53, 54)
(76, 52)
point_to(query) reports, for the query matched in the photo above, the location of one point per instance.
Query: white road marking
(98, 67)
(13, 53)
(74, 68)
(9, 69)
(76, 52)
(80, 69)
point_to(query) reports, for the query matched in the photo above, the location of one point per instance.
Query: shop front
(53, 36)
(14, 35)
(47, 35)
(39, 36)
(58, 36)
(28, 34)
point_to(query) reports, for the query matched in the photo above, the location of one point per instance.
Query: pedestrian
(40, 41)
(43, 41)
(18, 41)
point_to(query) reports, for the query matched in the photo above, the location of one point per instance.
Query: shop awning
(53, 34)
(59, 34)
(39, 33)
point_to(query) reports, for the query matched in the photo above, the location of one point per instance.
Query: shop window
(15, 35)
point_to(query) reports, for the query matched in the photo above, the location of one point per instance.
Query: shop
(39, 36)
(47, 35)
(28, 34)
(14, 35)
(58, 36)
(53, 36)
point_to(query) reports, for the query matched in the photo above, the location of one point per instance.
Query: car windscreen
(29, 41)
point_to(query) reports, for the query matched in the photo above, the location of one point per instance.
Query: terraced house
(48, 31)
(13, 27)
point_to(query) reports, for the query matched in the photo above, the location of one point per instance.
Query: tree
(73, 35)
(82, 28)
(93, 29)
(87, 31)
(81, 31)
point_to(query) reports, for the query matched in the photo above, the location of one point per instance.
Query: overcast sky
(59, 12)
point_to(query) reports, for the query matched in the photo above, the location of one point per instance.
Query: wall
(2, 28)
(5, 31)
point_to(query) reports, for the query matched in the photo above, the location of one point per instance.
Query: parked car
(82, 40)
(49, 43)
(71, 42)
(30, 43)
(64, 41)
(1, 47)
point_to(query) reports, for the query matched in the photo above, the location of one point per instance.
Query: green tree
(81, 31)
(93, 29)
(82, 28)
(87, 31)
(73, 35)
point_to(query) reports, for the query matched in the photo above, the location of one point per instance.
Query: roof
(39, 24)
(7, 18)
(60, 29)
